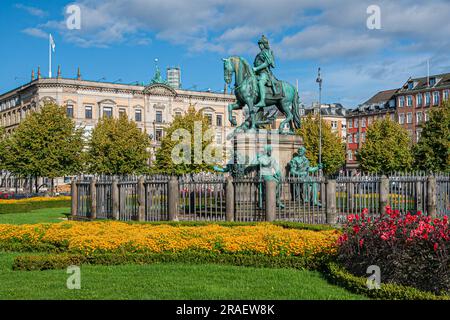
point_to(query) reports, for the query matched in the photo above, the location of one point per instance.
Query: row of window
(423, 99)
(420, 117)
(356, 137)
(108, 113)
(366, 121)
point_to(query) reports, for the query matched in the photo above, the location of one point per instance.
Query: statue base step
(247, 145)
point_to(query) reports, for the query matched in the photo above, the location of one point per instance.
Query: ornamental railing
(214, 197)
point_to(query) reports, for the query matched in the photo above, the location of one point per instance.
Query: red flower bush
(411, 250)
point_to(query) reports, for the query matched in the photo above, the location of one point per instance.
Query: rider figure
(263, 62)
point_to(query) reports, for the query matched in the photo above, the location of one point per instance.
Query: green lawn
(167, 281)
(35, 216)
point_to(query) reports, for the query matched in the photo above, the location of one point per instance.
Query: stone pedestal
(247, 145)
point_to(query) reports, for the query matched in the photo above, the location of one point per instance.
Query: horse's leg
(252, 112)
(231, 107)
(284, 106)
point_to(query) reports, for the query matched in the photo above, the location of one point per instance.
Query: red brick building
(416, 97)
(381, 105)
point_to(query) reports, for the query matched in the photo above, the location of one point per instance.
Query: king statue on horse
(257, 88)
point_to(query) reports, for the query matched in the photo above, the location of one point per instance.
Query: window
(219, 120)
(419, 117)
(427, 98)
(432, 81)
(363, 123)
(356, 123)
(334, 124)
(401, 118)
(445, 95)
(138, 115)
(350, 155)
(107, 112)
(219, 137)
(69, 111)
(392, 116)
(436, 98)
(410, 85)
(401, 101)
(356, 139)
(418, 134)
(158, 134)
(425, 116)
(369, 121)
(122, 112)
(419, 98)
(209, 117)
(409, 117)
(88, 112)
(363, 136)
(409, 101)
(350, 138)
(178, 114)
(350, 124)
(159, 117)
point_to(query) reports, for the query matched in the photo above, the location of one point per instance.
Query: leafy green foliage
(117, 146)
(432, 152)
(388, 291)
(333, 149)
(164, 155)
(387, 148)
(45, 144)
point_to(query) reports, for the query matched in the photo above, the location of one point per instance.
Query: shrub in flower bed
(411, 250)
(29, 204)
(63, 260)
(388, 291)
(89, 238)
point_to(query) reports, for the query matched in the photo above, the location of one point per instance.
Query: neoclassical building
(153, 107)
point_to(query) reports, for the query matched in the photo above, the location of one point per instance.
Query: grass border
(25, 207)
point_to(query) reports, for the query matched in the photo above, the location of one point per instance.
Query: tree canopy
(45, 144)
(387, 148)
(333, 149)
(432, 152)
(187, 146)
(117, 146)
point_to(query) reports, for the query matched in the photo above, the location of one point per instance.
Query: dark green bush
(30, 206)
(61, 261)
(388, 291)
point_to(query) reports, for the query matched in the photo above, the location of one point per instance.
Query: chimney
(32, 75)
(59, 72)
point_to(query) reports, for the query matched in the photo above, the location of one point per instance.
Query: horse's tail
(295, 110)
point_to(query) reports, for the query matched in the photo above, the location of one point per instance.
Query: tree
(45, 144)
(333, 149)
(432, 152)
(183, 150)
(387, 148)
(117, 146)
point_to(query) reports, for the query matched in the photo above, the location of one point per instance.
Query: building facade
(416, 97)
(380, 106)
(334, 114)
(152, 107)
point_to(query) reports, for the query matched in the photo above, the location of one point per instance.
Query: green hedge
(284, 224)
(23, 207)
(387, 291)
(61, 261)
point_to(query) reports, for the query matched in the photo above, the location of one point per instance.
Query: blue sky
(119, 39)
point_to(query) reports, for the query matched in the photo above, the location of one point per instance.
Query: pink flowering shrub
(410, 250)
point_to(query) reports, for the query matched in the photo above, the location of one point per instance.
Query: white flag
(52, 43)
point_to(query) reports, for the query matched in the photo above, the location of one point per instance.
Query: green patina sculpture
(157, 78)
(268, 169)
(236, 167)
(299, 167)
(257, 88)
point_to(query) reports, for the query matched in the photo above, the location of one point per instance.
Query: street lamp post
(319, 81)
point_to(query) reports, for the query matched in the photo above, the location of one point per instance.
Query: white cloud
(32, 10)
(35, 32)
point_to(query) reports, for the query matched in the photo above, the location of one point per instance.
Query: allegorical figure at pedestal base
(307, 188)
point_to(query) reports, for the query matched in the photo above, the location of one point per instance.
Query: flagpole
(49, 56)
(319, 81)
